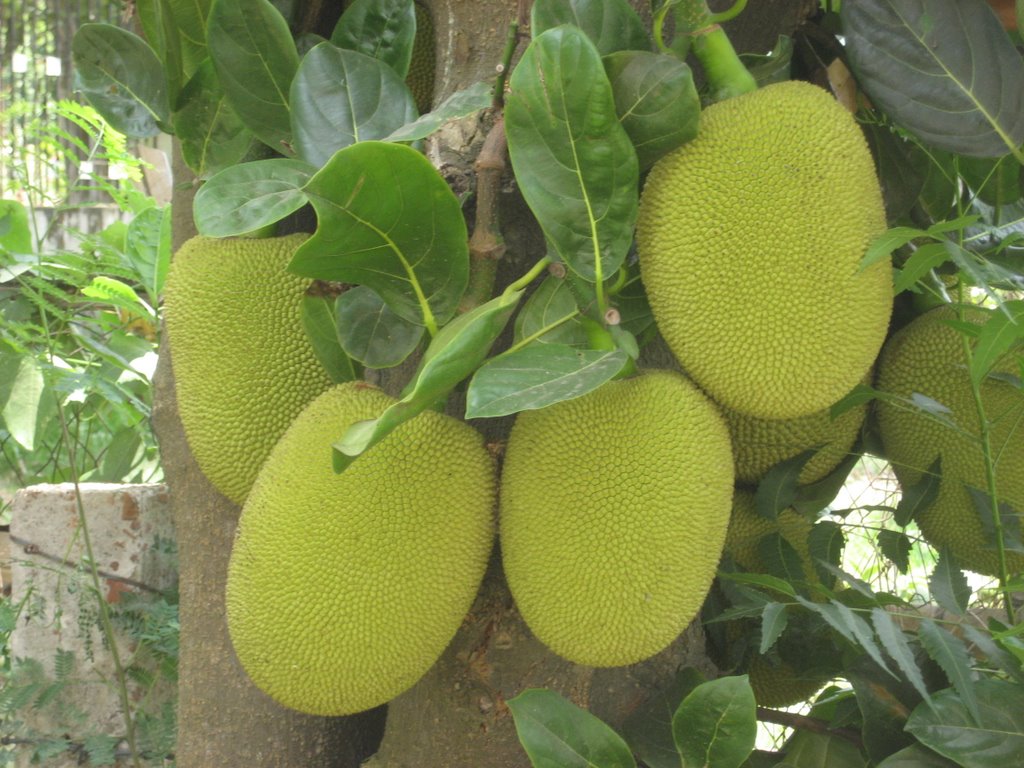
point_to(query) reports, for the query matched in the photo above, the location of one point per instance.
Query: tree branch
(805, 723)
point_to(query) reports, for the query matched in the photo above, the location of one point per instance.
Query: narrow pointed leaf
(882, 247)
(716, 724)
(777, 490)
(212, 135)
(764, 580)
(381, 29)
(612, 25)
(245, 197)
(317, 314)
(948, 585)
(950, 653)
(898, 648)
(1000, 332)
(920, 263)
(863, 634)
(895, 545)
(774, 618)
(918, 497)
(780, 558)
(943, 69)
(826, 543)
(387, 220)
(477, 97)
(574, 162)
(371, 333)
(993, 652)
(1009, 520)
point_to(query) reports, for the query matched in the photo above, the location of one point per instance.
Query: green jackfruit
(927, 357)
(781, 685)
(343, 590)
(613, 514)
(421, 69)
(750, 240)
(243, 366)
(747, 529)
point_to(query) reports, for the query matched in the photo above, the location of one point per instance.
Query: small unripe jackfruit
(751, 238)
(421, 68)
(343, 590)
(243, 367)
(613, 514)
(747, 529)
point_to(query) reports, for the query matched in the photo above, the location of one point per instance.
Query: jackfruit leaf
(255, 58)
(992, 737)
(998, 335)
(121, 76)
(387, 220)
(539, 375)
(370, 332)
(850, 625)
(148, 248)
(826, 543)
(165, 38)
(317, 314)
(555, 733)
(634, 308)
(15, 233)
(550, 316)
(922, 261)
(918, 497)
(611, 25)
(468, 101)
(778, 489)
(212, 135)
(895, 545)
(995, 181)
(780, 558)
(716, 724)
(948, 585)
(381, 29)
(656, 101)
(817, 750)
(455, 352)
(190, 19)
(945, 70)
(648, 730)
(245, 197)
(339, 97)
(119, 456)
(1009, 521)
(898, 647)
(21, 391)
(811, 499)
(774, 618)
(916, 756)
(573, 160)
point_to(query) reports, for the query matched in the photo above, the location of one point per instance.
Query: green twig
(730, 13)
(528, 278)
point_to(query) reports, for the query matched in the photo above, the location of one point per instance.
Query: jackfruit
(927, 357)
(747, 529)
(243, 366)
(750, 240)
(782, 685)
(613, 514)
(421, 69)
(344, 589)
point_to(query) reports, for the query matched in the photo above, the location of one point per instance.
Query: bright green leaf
(246, 197)
(15, 232)
(551, 316)
(716, 725)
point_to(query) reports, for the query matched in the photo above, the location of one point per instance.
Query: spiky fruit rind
(613, 513)
(927, 357)
(243, 367)
(421, 68)
(747, 529)
(751, 238)
(781, 685)
(343, 590)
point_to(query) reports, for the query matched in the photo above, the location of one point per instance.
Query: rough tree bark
(456, 715)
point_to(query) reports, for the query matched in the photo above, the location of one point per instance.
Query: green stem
(731, 13)
(726, 73)
(511, 43)
(529, 277)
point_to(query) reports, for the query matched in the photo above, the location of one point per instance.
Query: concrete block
(131, 531)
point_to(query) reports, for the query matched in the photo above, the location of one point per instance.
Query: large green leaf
(716, 724)
(339, 97)
(255, 58)
(381, 29)
(943, 69)
(818, 750)
(656, 101)
(318, 314)
(648, 730)
(994, 740)
(249, 196)
(462, 103)
(370, 332)
(190, 17)
(122, 78)
(212, 135)
(557, 734)
(916, 756)
(388, 220)
(572, 158)
(612, 25)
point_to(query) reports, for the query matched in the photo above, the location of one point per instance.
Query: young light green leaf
(122, 78)
(460, 104)
(774, 618)
(895, 545)
(612, 25)
(998, 335)
(716, 725)
(388, 220)
(370, 332)
(777, 490)
(339, 97)
(574, 162)
(381, 29)
(898, 647)
(557, 734)
(109, 290)
(916, 498)
(948, 585)
(15, 233)
(945, 70)
(656, 101)
(317, 313)
(252, 50)
(537, 376)
(949, 652)
(243, 198)
(212, 135)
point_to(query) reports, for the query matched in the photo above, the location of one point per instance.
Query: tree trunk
(456, 715)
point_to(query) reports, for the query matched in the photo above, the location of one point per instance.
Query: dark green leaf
(825, 544)
(850, 625)
(339, 97)
(992, 652)
(190, 18)
(916, 498)
(916, 756)
(818, 750)
(649, 729)
(902, 168)
(317, 314)
(255, 58)
(15, 234)
(811, 499)
(612, 25)
(388, 220)
(924, 259)
(122, 78)
(460, 104)
(777, 490)
(551, 316)
(780, 558)
(381, 29)
(371, 333)
(898, 647)
(557, 734)
(991, 738)
(656, 101)
(945, 70)
(950, 653)
(1009, 521)
(881, 708)
(996, 182)
(538, 375)
(948, 585)
(895, 545)
(574, 162)
(773, 67)
(716, 724)
(246, 197)
(999, 333)
(119, 457)
(882, 247)
(212, 135)
(773, 622)
(167, 45)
